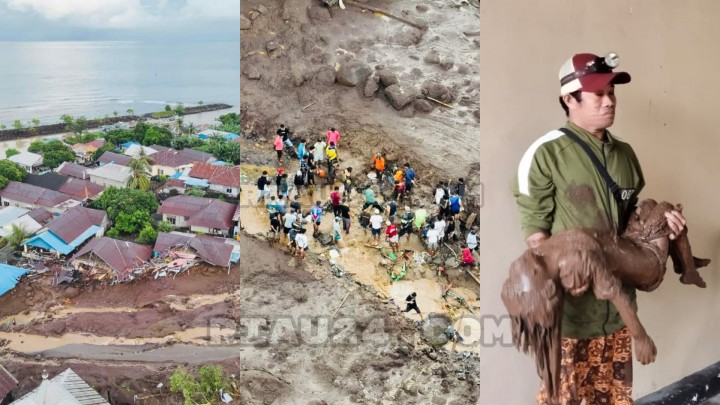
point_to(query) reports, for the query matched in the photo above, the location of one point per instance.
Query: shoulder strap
(614, 188)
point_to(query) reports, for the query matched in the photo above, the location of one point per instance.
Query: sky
(119, 20)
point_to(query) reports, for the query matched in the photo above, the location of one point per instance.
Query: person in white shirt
(432, 241)
(440, 227)
(439, 193)
(289, 219)
(301, 242)
(376, 225)
(319, 150)
(337, 228)
(472, 240)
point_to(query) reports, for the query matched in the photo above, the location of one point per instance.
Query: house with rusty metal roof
(7, 384)
(169, 162)
(84, 151)
(222, 179)
(211, 249)
(81, 189)
(70, 230)
(28, 196)
(65, 388)
(112, 157)
(206, 215)
(107, 259)
(73, 170)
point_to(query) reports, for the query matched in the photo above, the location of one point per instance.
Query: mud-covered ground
(309, 337)
(369, 76)
(121, 339)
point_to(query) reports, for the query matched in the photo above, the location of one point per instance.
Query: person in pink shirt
(333, 136)
(467, 258)
(278, 148)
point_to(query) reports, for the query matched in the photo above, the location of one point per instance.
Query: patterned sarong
(598, 370)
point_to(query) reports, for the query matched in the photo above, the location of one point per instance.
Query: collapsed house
(66, 233)
(65, 388)
(111, 259)
(183, 248)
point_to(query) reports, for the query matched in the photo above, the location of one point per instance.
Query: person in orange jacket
(379, 164)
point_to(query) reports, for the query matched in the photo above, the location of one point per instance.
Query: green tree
(195, 192)
(112, 233)
(115, 200)
(115, 113)
(200, 102)
(3, 182)
(164, 226)
(3, 127)
(223, 149)
(12, 171)
(17, 236)
(120, 136)
(11, 152)
(131, 223)
(186, 142)
(17, 124)
(157, 136)
(147, 235)
(204, 390)
(180, 109)
(36, 147)
(75, 125)
(54, 158)
(140, 176)
(130, 111)
(35, 122)
(167, 107)
(109, 146)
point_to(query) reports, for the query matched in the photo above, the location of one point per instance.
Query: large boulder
(353, 74)
(387, 77)
(325, 76)
(371, 86)
(423, 105)
(400, 95)
(319, 15)
(433, 329)
(245, 23)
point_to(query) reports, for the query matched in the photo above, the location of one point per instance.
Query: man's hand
(676, 222)
(536, 239)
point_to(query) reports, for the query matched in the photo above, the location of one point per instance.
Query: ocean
(44, 80)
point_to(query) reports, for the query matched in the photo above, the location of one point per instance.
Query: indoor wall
(669, 113)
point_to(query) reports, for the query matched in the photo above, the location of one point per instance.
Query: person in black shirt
(310, 181)
(391, 210)
(412, 304)
(295, 204)
(461, 188)
(285, 133)
(262, 183)
(275, 228)
(278, 180)
(345, 215)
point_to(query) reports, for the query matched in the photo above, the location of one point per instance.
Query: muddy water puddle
(28, 343)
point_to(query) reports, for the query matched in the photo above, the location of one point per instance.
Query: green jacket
(557, 187)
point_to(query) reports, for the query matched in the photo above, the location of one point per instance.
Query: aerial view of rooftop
(119, 202)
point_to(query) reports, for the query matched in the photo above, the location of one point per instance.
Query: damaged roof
(121, 256)
(29, 194)
(7, 382)
(65, 388)
(75, 221)
(112, 157)
(82, 189)
(204, 212)
(73, 170)
(41, 215)
(211, 249)
(222, 175)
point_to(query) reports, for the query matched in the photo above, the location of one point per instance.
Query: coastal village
(93, 224)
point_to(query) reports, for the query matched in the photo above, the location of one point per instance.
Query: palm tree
(131, 111)
(140, 176)
(17, 236)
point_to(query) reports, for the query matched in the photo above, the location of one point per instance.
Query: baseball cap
(589, 72)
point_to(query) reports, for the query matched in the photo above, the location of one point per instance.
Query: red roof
(171, 158)
(81, 189)
(211, 249)
(74, 222)
(74, 170)
(204, 212)
(112, 157)
(97, 144)
(29, 194)
(7, 383)
(214, 174)
(120, 255)
(175, 183)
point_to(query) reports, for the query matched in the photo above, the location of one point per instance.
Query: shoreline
(60, 128)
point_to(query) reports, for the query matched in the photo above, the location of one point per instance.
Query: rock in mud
(371, 86)
(438, 92)
(319, 15)
(432, 58)
(422, 8)
(298, 75)
(271, 46)
(400, 95)
(261, 9)
(71, 292)
(447, 63)
(434, 329)
(423, 106)
(353, 74)
(253, 73)
(253, 15)
(387, 77)
(245, 23)
(410, 388)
